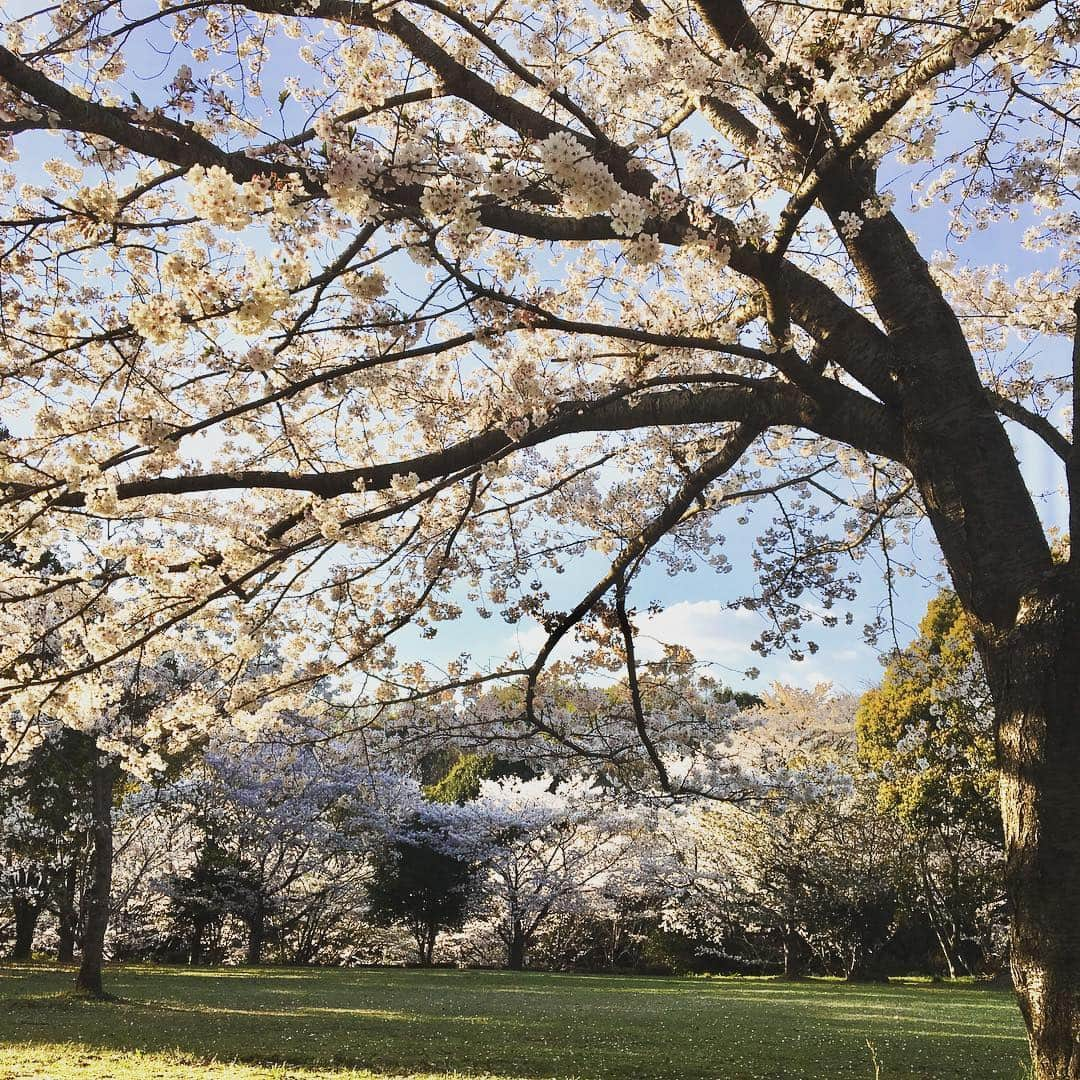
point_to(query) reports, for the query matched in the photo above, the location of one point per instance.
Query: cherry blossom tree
(543, 849)
(335, 319)
(763, 867)
(273, 831)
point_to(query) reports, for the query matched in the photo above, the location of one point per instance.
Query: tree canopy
(928, 731)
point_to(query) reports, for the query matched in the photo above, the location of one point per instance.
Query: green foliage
(45, 828)
(927, 731)
(926, 736)
(52, 790)
(219, 884)
(462, 783)
(445, 1024)
(745, 699)
(670, 951)
(415, 885)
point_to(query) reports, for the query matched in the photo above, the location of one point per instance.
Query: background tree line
(871, 846)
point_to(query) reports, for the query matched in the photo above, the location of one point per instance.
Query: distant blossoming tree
(542, 849)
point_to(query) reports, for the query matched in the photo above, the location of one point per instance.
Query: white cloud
(706, 627)
(717, 634)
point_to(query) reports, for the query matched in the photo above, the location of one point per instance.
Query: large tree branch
(113, 123)
(1073, 459)
(847, 416)
(737, 31)
(852, 340)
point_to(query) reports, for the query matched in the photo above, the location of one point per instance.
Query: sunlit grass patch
(73, 1062)
(254, 1024)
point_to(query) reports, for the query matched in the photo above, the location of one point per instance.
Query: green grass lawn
(244, 1024)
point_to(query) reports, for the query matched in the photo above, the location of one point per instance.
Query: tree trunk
(256, 937)
(515, 952)
(933, 903)
(1028, 618)
(68, 916)
(796, 954)
(88, 980)
(195, 954)
(1034, 673)
(27, 914)
(946, 947)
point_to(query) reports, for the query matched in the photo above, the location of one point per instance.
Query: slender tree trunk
(27, 914)
(68, 916)
(789, 965)
(88, 980)
(945, 935)
(945, 945)
(256, 937)
(1034, 673)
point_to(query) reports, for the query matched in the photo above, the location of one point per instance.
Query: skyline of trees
(256, 851)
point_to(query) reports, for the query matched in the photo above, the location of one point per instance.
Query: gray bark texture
(89, 978)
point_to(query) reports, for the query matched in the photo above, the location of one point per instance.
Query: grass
(363, 1024)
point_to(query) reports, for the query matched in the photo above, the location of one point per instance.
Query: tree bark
(27, 914)
(256, 937)
(88, 980)
(68, 916)
(515, 952)
(1034, 674)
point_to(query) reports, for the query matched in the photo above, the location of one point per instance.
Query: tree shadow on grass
(527, 1026)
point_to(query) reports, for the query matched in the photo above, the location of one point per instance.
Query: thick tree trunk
(1034, 673)
(796, 953)
(515, 951)
(1027, 611)
(27, 914)
(88, 980)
